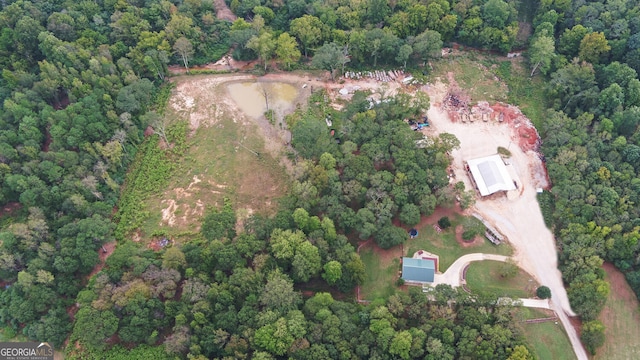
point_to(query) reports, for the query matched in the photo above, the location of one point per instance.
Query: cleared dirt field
(230, 155)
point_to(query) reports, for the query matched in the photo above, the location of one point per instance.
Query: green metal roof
(418, 269)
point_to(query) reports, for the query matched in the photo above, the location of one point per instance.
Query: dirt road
(517, 215)
(223, 12)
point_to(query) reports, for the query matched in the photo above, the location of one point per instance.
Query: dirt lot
(516, 214)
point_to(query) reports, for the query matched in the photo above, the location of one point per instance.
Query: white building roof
(490, 175)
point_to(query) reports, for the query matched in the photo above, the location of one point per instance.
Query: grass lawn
(381, 272)
(215, 167)
(472, 75)
(621, 318)
(484, 276)
(548, 340)
(447, 247)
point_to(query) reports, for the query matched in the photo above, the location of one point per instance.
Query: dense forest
(591, 54)
(82, 81)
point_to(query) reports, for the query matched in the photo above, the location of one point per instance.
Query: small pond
(250, 97)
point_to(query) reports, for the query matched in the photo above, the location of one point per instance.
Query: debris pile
(456, 103)
(483, 111)
(383, 76)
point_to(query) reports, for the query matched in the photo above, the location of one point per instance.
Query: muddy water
(250, 97)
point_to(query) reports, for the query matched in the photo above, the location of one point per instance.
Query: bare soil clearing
(9, 208)
(222, 161)
(230, 155)
(103, 253)
(222, 11)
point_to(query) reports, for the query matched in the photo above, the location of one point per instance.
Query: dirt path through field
(103, 253)
(222, 11)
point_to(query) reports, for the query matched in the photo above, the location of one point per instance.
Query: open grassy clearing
(525, 313)
(485, 277)
(621, 318)
(220, 162)
(382, 269)
(447, 247)
(548, 339)
(471, 74)
(494, 78)
(525, 92)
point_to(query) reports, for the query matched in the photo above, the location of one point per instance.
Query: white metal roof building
(490, 175)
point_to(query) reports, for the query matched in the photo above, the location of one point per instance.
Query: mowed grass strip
(382, 269)
(485, 277)
(621, 318)
(447, 247)
(548, 340)
(528, 93)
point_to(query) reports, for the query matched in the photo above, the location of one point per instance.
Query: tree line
(231, 295)
(590, 54)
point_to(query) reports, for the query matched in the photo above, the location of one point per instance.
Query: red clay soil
(110, 247)
(619, 285)
(155, 244)
(148, 131)
(9, 208)
(223, 12)
(477, 240)
(72, 310)
(576, 323)
(527, 135)
(47, 141)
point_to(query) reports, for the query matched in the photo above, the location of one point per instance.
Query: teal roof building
(418, 270)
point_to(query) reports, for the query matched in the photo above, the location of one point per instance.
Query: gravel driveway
(517, 214)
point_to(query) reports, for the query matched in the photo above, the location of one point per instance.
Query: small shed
(418, 270)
